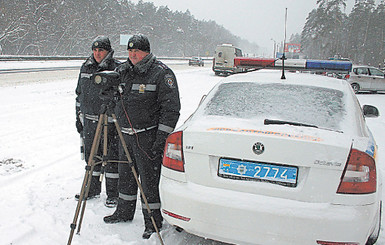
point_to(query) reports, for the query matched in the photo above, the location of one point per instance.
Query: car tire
(355, 87)
(372, 239)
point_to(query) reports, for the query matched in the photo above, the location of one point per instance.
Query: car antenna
(283, 53)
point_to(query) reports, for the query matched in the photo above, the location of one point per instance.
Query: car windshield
(322, 107)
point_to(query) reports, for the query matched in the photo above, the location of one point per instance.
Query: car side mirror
(370, 111)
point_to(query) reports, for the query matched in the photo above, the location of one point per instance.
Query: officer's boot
(149, 227)
(95, 189)
(124, 212)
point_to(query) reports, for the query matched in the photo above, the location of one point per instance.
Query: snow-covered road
(41, 169)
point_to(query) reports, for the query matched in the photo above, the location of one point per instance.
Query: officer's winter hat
(101, 42)
(139, 42)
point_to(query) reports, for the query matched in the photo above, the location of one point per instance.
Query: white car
(366, 78)
(270, 161)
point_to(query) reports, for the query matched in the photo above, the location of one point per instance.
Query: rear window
(375, 72)
(304, 104)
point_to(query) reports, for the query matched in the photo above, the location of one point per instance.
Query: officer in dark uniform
(147, 113)
(88, 106)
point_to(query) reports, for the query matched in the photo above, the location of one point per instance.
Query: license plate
(285, 175)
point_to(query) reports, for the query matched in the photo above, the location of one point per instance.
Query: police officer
(88, 106)
(147, 113)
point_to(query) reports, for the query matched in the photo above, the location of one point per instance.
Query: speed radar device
(106, 79)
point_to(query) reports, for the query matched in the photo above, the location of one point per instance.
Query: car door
(362, 77)
(378, 79)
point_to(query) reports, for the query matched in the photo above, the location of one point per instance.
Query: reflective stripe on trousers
(127, 197)
(96, 173)
(112, 175)
(152, 206)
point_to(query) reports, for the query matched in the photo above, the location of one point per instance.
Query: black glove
(158, 146)
(79, 125)
(156, 152)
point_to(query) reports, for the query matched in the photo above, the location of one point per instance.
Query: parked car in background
(366, 78)
(269, 161)
(196, 61)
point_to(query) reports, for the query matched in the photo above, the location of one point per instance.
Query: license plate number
(259, 171)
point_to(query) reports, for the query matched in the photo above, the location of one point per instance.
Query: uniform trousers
(148, 170)
(111, 169)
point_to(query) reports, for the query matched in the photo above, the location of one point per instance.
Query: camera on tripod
(108, 81)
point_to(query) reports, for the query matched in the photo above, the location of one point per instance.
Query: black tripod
(103, 120)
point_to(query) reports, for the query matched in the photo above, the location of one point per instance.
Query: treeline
(359, 36)
(67, 27)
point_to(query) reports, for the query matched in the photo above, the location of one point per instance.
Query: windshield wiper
(281, 122)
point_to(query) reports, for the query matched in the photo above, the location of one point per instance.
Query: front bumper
(244, 218)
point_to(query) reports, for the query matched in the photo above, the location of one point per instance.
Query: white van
(223, 62)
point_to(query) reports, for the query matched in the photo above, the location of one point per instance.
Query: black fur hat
(139, 42)
(101, 42)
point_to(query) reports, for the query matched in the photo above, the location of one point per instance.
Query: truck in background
(228, 60)
(223, 62)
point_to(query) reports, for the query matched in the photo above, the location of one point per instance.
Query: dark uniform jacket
(150, 97)
(88, 100)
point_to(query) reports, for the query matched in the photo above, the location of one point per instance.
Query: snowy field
(41, 169)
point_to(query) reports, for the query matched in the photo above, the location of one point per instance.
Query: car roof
(363, 66)
(274, 76)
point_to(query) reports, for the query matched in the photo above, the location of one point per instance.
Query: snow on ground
(41, 169)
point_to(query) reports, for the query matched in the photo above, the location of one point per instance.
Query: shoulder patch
(169, 80)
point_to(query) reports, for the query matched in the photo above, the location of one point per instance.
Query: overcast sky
(257, 21)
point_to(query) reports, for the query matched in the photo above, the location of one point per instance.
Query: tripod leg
(95, 145)
(136, 176)
(87, 179)
(104, 159)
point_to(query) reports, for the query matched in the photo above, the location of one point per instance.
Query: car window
(375, 72)
(305, 104)
(238, 52)
(361, 71)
